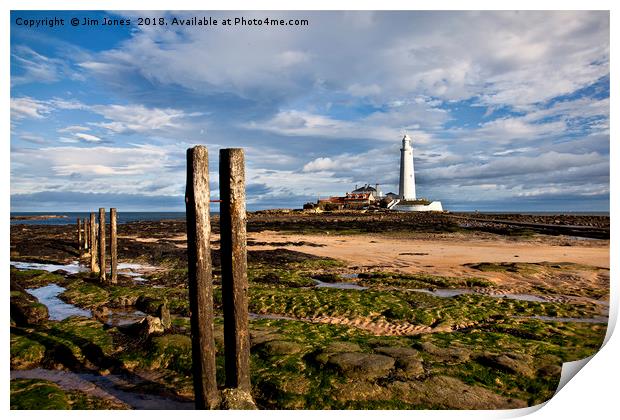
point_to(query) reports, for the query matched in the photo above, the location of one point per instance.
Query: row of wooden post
(234, 273)
(92, 238)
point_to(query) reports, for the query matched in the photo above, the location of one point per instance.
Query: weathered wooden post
(234, 269)
(86, 234)
(79, 232)
(93, 244)
(102, 273)
(200, 278)
(113, 278)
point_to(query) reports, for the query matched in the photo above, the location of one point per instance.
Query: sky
(508, 111)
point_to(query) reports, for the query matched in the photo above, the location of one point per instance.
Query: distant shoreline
(39, 217)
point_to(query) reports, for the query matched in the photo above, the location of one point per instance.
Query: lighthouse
(406, 185)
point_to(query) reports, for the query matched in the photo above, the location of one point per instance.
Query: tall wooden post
(234, 268)
(102, 273)
(79, 232)
(113, 278)
(86, 234)
(200, 278)
(93, 244)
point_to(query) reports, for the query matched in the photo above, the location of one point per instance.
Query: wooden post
(102, 274)
(86, 234)
(113, 278)
(93, 244)
(234, 269)
(200, 278)
(79, 229)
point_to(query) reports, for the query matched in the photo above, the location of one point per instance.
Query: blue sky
(507, 110)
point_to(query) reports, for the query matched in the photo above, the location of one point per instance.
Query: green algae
(25, 353)
(39, 394)
(420, 280)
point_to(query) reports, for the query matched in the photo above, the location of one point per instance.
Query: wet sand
(441, 257)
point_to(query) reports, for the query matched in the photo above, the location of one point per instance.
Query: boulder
(398, 352)
(26, 309)
(520, 364)
(451, 393)
(408, 361)
(148, 326)
(453, 354)
(361, 365)
(281, 347)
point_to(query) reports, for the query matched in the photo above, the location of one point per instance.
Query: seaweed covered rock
(280, 347)
(520, 364)
(148, 326)
(25, 308)
(361, 365)
(408, 361)
(452, 354)
(451, 393)
(155, 307)
(237, 399)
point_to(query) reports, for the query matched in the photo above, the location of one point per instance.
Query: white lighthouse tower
(407, 200)
(406, 186)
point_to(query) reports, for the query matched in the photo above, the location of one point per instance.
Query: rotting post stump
(233, 239)
(200, 278)
(102, 273)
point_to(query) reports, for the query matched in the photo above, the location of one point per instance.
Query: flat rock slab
(281, 347)
(519, 364)
(342, 347)
(454, 354)
(361, 365)
(400, 353)
(451, 393)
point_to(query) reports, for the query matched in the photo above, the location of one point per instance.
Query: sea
(121, 217)
(136, 216)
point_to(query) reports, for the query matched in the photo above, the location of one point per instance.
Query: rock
(342, 347)
(515, 363)
(269, 278)
(151, 325)
(26, 309)
(123, 301)
(148, 326)
(360, 391)
(295, 385)
(281, 347)
(149, 304)
(454, 354)
(101, 312)
(550, 371)
(236, 399)
(408, 361)
(409, 368)
(258, 337)
(361, 365)
(164, 314)
(450, 393)
(328, 277)
(399, 352)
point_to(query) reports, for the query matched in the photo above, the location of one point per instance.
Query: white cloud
(137, 169)
(505, 58)
(87, 137)
(32, 138)
(38, 68)
(137, 118)
(26, 107)
(73, 129)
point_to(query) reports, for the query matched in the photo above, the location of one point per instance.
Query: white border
(592, 394)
